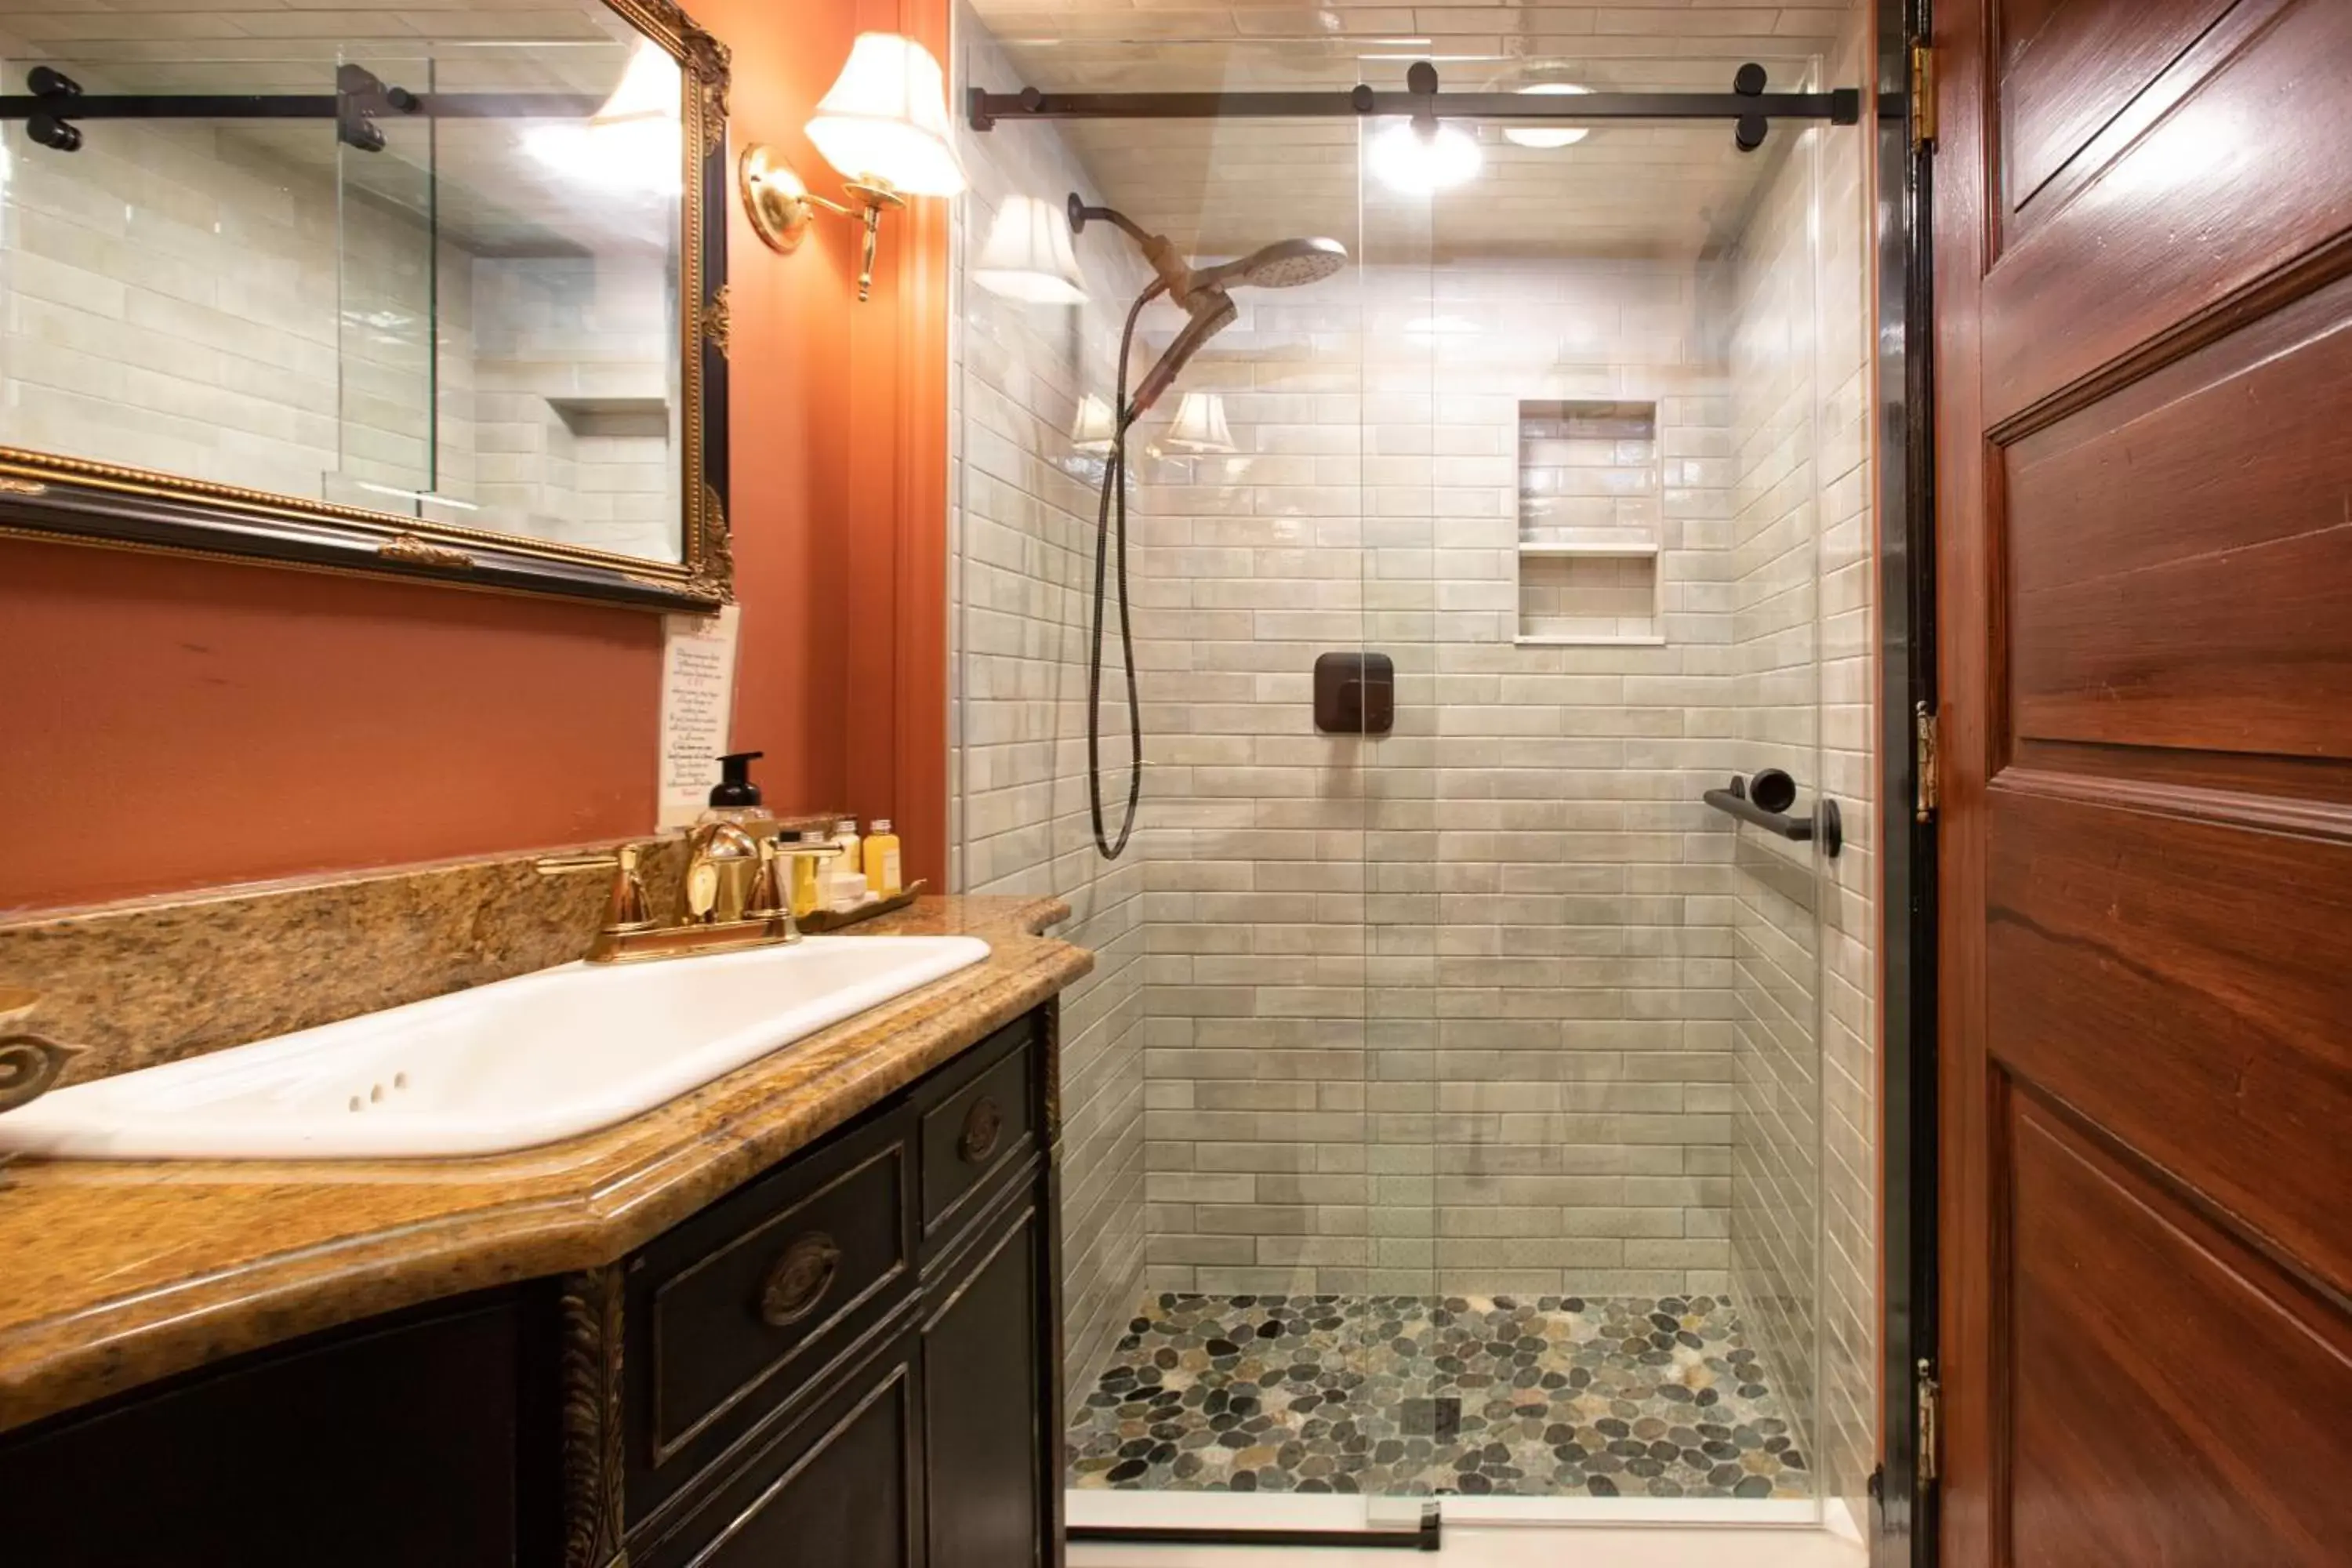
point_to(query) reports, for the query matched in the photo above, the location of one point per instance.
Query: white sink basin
(505, 1065)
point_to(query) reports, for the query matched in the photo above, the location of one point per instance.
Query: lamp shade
(1028, 255)
(1200, 424)
(649, 91)
(886, 117)
(1096, 425)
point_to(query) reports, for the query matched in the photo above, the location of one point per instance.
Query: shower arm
(1175, 272)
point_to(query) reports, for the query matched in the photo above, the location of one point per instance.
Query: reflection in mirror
(428, 265)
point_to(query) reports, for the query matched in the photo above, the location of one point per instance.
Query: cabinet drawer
(977, 1123)
(737, 1308)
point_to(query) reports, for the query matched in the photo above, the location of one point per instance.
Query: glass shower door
(1589, 503)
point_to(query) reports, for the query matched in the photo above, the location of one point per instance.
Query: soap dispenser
(735, 798)
(722, 858)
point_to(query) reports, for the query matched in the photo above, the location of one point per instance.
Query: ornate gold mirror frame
(47, 496)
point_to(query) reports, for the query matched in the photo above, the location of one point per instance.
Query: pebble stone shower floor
(1558, 1396)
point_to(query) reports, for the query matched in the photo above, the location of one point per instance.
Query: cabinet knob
(983, 1125)
(798, 1281)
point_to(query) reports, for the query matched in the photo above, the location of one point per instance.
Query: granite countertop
(115, 1273)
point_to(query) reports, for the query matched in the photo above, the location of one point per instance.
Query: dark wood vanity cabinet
(849, 1360)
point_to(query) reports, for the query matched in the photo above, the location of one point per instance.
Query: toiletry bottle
(805, 873)
(853, 855)
(882, 859)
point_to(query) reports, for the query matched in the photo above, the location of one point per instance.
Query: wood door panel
(2068, 68)
(2126, 1448)
(2174, 217)
(2244, 651)
(2182, 985)
(2245, 442)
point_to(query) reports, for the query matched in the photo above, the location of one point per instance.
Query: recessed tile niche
(1589, 522)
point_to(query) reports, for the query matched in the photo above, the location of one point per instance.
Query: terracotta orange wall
(171, 722)
(840, 459)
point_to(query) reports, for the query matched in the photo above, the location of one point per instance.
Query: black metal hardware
(56, 93)
(1765, 801)
(1427, 1537)
(983, 1125)
(1423, 101)
(1355, 693)
(300, 106)
(56, 100)
(799, 1279)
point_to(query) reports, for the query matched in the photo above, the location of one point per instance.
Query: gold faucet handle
(766, 898)
(627, 908)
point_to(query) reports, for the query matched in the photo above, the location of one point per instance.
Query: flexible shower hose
(1114, 501)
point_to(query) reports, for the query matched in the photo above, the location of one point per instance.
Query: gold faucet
(733, 896)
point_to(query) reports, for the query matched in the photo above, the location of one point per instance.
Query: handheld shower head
(1213, 311)
(1284, 264)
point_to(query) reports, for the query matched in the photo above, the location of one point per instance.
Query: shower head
(1284, 264)
(1202, 291)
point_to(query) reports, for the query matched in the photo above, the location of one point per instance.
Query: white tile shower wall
(1024, 523)
(1450, 1008)
(1803, 1225)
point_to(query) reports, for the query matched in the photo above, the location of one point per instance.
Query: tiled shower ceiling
(1217, 187)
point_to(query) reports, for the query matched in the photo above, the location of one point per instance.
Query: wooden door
(2144, 279)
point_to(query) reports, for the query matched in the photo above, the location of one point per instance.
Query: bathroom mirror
(436, 291)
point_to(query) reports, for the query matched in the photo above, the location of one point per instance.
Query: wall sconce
(1094, 428)
(1028, 255)
(884, 124)
(1200, 428)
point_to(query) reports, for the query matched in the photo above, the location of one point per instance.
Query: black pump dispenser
(735, 786)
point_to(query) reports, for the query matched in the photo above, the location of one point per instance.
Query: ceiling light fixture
(1549, 136)
(1419, 161)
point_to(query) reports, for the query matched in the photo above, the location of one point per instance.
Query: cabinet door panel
(983, 1401)
(840, 1488)
(382, 1448)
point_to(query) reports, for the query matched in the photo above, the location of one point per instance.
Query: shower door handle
(1355, 693)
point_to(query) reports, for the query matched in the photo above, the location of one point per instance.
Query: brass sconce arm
(783, 208)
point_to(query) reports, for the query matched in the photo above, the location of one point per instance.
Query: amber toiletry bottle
(806, 869)
(882, 872)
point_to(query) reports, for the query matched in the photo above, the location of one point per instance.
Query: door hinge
(1923, 98)
(1927, 754)
(1931, 1427)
